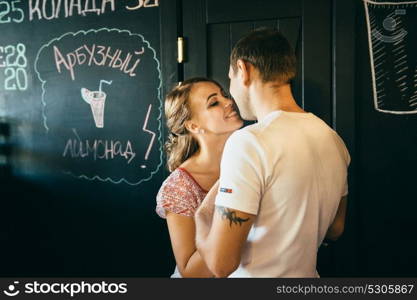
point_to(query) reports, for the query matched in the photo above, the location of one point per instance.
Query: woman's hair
(180, 144)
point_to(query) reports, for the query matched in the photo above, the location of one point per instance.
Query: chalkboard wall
(80, 87)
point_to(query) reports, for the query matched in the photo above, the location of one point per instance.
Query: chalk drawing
(77, 147)
(393, 52)
(97, 101)
(145, 124)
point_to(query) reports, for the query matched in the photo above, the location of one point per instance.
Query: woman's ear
(192, 127)
(243, 71)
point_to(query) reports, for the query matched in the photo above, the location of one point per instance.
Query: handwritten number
(19, 76)
(4, 13)
(21, 60)
(19, 10)
(2, 62)
(144, 3)
(8, 9)
(21, 79)
(140, 4)
(11, 76)
(10, 51)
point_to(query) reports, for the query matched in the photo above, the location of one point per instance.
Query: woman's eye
(214, 103)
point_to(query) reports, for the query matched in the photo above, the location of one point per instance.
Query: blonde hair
(180, 144)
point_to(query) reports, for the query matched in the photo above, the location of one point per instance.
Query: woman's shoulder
(179, 194)
(181, 180)
(177, 177)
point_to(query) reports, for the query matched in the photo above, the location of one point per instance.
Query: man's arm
(221, 247)
(236, 203)
(338, 226)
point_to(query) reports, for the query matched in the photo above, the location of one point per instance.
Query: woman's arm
(182, 234)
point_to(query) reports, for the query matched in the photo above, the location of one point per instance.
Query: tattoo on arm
(230, 215)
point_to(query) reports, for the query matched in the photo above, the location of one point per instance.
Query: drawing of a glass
(393, 59)
(97, 101)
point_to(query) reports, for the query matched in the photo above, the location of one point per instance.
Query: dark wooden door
(212, 27)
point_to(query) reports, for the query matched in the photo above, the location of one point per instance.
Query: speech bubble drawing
(118, 152)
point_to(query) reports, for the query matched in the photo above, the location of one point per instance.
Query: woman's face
(211, 110)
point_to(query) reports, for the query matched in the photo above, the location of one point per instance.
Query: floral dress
(181, 194)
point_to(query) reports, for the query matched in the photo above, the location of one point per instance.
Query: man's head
(264, 55)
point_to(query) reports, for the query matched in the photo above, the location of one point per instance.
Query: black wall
(386, 147)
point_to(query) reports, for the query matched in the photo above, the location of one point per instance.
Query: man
(283, 180)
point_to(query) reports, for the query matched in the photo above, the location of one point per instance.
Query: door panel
(212, 27)
(219, 11)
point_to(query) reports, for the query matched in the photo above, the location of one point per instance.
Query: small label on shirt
(226, 190)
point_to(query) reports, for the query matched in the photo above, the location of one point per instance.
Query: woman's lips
(232, 114)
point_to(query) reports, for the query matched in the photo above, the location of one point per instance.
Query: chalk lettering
(98, 55)
(132, 69)
(34, 9)
(104, 3)
(59, 59)
(93, 8)
(118, 62)
(54, 9)
(98, 149)
(81, 57)
(75, 4)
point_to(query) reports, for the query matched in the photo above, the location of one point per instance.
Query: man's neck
(269, 97)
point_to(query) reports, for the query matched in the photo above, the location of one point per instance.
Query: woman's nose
(228, 102)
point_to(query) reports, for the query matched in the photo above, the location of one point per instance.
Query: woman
(200, 118)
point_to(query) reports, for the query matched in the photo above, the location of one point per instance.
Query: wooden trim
(169, 20)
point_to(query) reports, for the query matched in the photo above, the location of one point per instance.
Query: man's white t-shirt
(290, 170)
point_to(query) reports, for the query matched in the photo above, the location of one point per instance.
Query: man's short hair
(269, 52)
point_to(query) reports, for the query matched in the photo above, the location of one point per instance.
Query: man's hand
(204, 214)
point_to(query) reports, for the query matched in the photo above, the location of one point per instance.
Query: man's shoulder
(253, 130)
(248, 134)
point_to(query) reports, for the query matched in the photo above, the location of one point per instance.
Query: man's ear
(244, 71)
(191, 126)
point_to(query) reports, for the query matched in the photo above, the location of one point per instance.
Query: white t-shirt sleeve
(346, 188)
(346, 157)
(241, 173)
